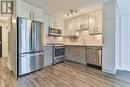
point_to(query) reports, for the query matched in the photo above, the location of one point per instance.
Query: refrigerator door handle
(32, 36)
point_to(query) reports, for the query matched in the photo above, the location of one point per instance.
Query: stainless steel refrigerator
(29, 41)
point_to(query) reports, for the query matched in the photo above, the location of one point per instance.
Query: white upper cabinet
(92, 23)
(23, 9)
(37, 13)
(29, 11)
(55, 22)
(99, 21)
(70, 26)
(95, 22)
(82, 22)
(78, 23)
(46, 24)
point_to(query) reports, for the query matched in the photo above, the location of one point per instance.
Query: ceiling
(59, 8)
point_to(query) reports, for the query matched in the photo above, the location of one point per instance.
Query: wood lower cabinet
(75, 54)
(48, 55)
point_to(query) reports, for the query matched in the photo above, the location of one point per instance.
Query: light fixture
(72, 12)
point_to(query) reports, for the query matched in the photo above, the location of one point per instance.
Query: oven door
(59, 52)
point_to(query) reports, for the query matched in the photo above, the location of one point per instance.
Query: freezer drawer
(30, 62)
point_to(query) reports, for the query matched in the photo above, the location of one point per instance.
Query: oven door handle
(59, 47)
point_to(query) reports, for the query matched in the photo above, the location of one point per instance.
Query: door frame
(124, 59)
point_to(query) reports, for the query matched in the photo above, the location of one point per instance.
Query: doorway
(3, 37)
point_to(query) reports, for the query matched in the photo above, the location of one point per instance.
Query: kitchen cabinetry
(75, 54)
(29, 11)
(50, 21)
(37, 13)
(91, 21)
(56, 23)
(94, 57)
(95, 22)
(48, 55)
(82, 22)
(70, 26)
(46, 24)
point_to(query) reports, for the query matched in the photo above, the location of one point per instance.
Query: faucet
(83, 41)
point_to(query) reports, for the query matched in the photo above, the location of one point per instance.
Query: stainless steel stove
(58, 53)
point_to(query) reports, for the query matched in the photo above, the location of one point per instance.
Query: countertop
(84, 45)
(80, 45)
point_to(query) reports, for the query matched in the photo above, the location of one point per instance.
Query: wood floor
(63, 75)
(72, 75)
(7, 79)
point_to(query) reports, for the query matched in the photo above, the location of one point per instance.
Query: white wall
(109, 36)
(4, 38)
(124, 6)
(124, 60)
(13, 46)
(124, 35)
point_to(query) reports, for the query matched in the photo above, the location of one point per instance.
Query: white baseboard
(9, 67)
(109, 71)
(126, 68)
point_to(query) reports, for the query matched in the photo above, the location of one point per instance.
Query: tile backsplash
(51, 39)
(84, 38)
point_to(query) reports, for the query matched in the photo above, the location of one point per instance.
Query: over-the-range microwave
(54, 32)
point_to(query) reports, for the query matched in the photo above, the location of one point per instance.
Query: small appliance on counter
(58, 53)
(54, 32)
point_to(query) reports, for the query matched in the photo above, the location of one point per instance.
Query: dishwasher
(94, 57)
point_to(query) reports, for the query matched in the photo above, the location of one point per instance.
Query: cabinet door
(46, 28)
(78, 23)
(46, 24)
(51, 21)
(99, 21)
(62, 27)
(67, 25)
(69, 53)
(92, 23)
(46, 17)
(81, 55)
(48, 56)
(37, 14)
(85, 23)
(72, 27)
(23, 9)
(57, 23)
(82, 22)
(76, 54)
